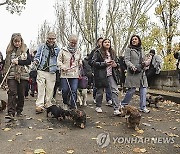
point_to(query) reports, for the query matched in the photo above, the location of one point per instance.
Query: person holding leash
(69, 61)
(15, 68)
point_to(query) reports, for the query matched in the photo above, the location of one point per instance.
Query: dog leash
(71, 93)
(6, 75)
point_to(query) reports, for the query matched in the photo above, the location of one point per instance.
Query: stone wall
(166, 80)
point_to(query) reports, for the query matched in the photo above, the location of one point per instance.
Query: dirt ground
(104, 133)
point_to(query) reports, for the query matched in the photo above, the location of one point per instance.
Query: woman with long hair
(16, 62)
(105, 74)
(136, 77)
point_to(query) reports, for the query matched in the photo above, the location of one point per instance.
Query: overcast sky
(36, 12)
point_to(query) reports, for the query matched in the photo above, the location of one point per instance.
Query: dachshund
(132, 116)
(154, 100)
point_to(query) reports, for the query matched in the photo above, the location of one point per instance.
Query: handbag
(83, 80)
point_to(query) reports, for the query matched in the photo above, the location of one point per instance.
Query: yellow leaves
(39, 138)
(178, 120)
(70, 151)
(19, 133)
(50, 128)
(171, 134)
(39, 151)
(7, 129)
(140, 131)
(98, 127)
(176, 145)
(138, 150)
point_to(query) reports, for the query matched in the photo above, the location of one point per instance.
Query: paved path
(33, 131)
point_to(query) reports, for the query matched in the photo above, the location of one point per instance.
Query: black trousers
(16, 94)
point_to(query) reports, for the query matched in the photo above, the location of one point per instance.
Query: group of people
(50, 62)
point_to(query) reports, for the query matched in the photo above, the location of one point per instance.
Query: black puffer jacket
(100, 73)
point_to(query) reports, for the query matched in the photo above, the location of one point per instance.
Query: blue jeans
(130, 93)
(69, 93)
(108, 93)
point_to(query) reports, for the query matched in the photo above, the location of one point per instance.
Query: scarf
(72, 50)
(17, 68)
(51, 49)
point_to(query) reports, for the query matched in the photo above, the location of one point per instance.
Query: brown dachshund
(132, 116)
(154, 100)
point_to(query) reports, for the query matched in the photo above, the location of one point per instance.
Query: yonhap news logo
(104, 139)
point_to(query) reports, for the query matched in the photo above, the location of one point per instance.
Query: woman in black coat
(105, 66)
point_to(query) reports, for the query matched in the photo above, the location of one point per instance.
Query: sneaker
(145, 110)
(98, 109)
(117, 112)
(65, 107)
(9, 118)
(39, 110)
(109, 103)
(94, 100)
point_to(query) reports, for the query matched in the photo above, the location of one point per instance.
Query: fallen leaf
(134, 135)
(40, 120)
(70, 151)
(10, 140)
(39, 151)
(176, 145)
(140, 131)
(50, 128)
(94, 138)
(138, 150)
(7, 129)
(97, 122)
(146, 124)
(29, 118)
(178, 120)
(98, 127)
(39, 138)
(143, 150)
(149, 117)
(18, 133)
(172, 135)
(172, 110)
(30, 127)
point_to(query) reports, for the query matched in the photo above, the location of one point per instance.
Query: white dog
(82, 96)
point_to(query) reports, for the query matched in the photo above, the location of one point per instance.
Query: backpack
(157, 62)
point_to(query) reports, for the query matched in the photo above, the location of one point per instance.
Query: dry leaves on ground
(39, 151)
(139, 150)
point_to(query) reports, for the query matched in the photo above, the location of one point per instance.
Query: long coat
(132, 58)
(100, 72)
